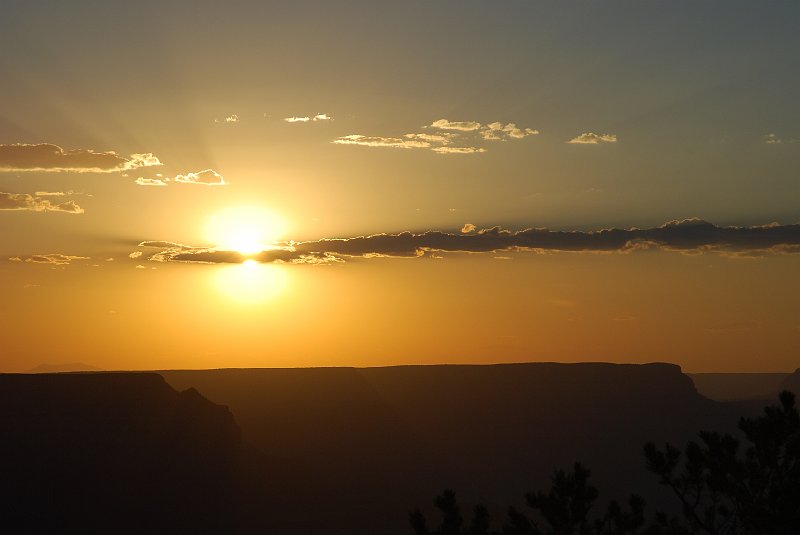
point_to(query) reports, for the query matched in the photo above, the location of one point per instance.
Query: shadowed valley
(327, 450)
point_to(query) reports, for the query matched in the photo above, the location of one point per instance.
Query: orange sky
(701, 311)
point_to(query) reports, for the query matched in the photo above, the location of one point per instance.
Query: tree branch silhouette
(721, 489)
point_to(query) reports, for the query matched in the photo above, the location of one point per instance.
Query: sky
(204, 184)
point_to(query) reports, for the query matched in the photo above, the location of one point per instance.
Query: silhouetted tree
(724, 493)
(563, 510)
(721, 491)
(566, 506)
(451, 518)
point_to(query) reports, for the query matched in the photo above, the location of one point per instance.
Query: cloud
(463, 126)
(432, 138)
(690, 236)
(176, 252)
(590, 138)
(231, 120)
(207, 177)
(61, 193)
(458, 150)
(305, 119)
(52, 193)
(135, 254)
(467, 228)
(51, 259)
(52, 158)
(403, 143)
(502, 132)
(454, 137)
(772, 139)
(150, 181)
(25, 201)
(376, 141)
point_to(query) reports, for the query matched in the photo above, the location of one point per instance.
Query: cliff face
(114, 453)
(370, 444)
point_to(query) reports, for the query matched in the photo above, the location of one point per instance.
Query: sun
(247, 229)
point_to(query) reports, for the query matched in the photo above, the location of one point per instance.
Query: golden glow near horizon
(246, 229)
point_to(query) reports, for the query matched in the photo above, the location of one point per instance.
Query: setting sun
(247, 230)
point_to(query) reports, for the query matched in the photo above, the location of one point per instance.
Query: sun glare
(247, 230)
(251, 282)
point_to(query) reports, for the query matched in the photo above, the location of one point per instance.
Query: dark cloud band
(52, 158)
(691, 236)
(31, 203)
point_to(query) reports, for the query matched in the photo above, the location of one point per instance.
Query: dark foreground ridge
(327, 450)
(113, 453)
(372, 443)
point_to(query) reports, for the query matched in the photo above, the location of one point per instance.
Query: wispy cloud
(52, 193)
(207, 177)
(150, 181)
(231, 120)
(502, 132)
(51, 259)
(176, 252)
(590, 138)
(458, 150)
(376, 141)
(463, 126)
(772, 139)
(46, 157)
(306, 118)
(452, 137)
(25, 201)
(432, 138)
(691, 236)
(61, 193)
